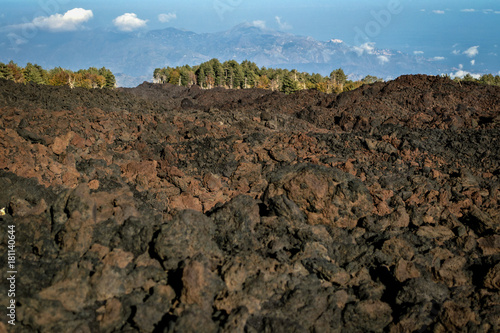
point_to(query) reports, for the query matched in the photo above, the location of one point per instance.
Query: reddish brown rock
(281, 235)
(61, 143)
(489, 245)
(326, 196)
(438, 233)
(492, 279)
(455, 316)
(405, 270)
(110, 316)
(212, 182)
(370, 314)
(72, 291)
(200, 284)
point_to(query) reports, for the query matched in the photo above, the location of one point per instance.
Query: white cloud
(471, 52)
(164, 18)
(438, 58)
(473, 62)
(69, 21)
(366, 47)
(259, 24)
(16, 39)
(497, 12)
(383, 59)
(456, 52)
(487, 11)
(461, 73)
(438, 12)
(418, 52)
(128, 22)
(468, 10)
(283, 25)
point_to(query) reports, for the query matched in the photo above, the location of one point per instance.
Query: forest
(231, 74)
(85, 78)
(210, 74)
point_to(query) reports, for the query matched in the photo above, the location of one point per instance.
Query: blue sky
(456, 31)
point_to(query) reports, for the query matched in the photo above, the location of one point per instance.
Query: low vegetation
(85, 78)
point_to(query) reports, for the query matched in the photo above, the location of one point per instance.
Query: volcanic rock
(170, 209)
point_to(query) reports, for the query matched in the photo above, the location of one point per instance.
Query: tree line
(487, 79)
(85, 78)
(231, 74)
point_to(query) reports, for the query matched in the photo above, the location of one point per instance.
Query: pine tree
(108, 76)
(43, 74)
(4, 71)
(200, 75)
(289, 85)
(218, 72)
(32, 74)
(239, 77)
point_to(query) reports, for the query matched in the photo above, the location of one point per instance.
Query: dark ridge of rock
(171, 209)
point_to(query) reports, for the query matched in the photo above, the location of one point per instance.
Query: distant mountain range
(134, 56)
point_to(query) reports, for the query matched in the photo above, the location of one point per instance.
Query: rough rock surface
(170, 209)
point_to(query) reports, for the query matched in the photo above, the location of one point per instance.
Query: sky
(457, 31)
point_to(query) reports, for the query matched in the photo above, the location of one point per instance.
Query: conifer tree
(289, 85)
(4, 72)
(32, 74)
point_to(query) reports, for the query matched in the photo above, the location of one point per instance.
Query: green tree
(338, 78)
(468, 78)
(211, 77)
(316, 78)
(200, 76)
(487, 79)
(289, 85)
(239, 77)
(218, 72)
(497, 80)
(250, 72)
(369, 79)
(234, 77)
(108, 76)
(43, 74)
(185, 76)
(32, 74)
(4, 72)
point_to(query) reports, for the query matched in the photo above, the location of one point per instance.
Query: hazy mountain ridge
(134, 56)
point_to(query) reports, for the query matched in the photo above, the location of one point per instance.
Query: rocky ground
(167, 209)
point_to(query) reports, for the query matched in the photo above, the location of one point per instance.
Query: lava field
(171, 209)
